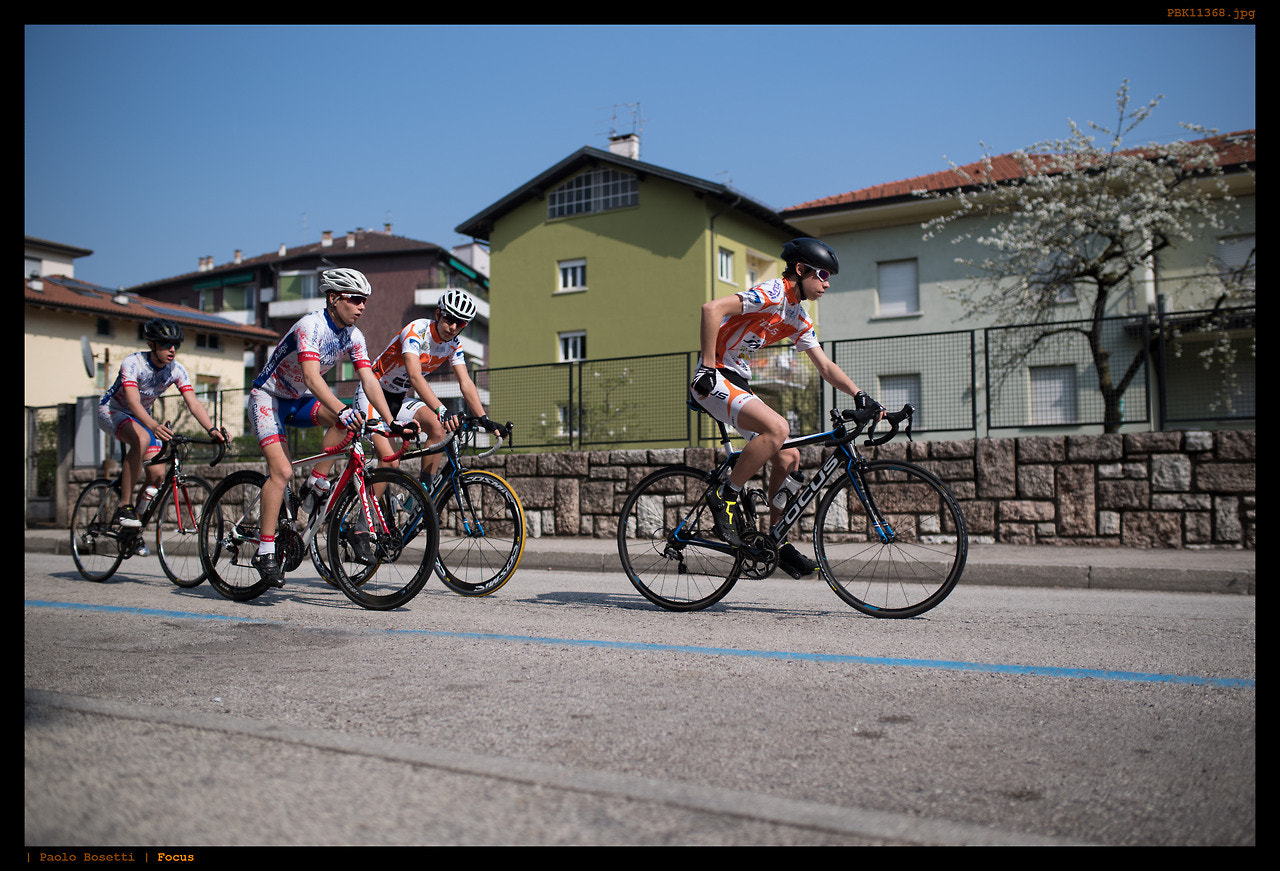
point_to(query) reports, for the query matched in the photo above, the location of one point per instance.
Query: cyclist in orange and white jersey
(734, 327)
(125, 409)
(423, 347)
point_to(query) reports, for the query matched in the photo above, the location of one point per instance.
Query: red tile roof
(69, 294)
(1234, 150)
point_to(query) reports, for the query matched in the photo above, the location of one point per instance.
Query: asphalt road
(565, 710)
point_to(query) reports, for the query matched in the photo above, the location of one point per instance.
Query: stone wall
(1168, 489)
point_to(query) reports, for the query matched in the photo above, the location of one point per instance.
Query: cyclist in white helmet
(732, 328)
(291, 391)
(422, 347)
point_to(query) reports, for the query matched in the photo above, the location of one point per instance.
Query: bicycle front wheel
(230, 530)
(95, 545)
(178, 530)
(898, 548)
(481, 533)
(668, 545)
(383, 568)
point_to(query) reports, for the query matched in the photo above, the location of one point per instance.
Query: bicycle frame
(354, 469)
(845, 459)
(170, 483)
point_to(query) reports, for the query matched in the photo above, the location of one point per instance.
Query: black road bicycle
(482, 524)
(99, 544)
(889, 537)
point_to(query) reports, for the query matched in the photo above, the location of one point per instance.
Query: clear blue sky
(155, 146)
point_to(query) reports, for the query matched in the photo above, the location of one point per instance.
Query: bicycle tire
(924, 556)
(395, 568)
(95, 545)
(230, 527)
(482, 534)
(667, 543)
(178, 544)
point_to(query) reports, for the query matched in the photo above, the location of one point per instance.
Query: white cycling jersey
(771, 313)
(138, 371)
(314, 337)
(417, 337)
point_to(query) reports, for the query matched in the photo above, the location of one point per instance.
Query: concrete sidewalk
(1198, 571)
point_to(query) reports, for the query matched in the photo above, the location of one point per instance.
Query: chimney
(351, 239)
(326, 238)
(239, 255)
(386, 228)
(625, 145)
(283, 249)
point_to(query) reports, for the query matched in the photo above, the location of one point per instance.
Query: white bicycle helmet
(457, 304)
(345, 281)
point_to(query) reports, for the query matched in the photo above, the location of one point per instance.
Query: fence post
(66, 458)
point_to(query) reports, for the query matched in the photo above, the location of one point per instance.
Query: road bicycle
(368, 535)
(99, 544)
(481, 519)
(889, 537)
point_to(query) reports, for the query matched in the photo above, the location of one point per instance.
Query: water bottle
(148, 494)
(790, 484)
(314, 492)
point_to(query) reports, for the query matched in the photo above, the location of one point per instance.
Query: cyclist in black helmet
(734, 327)
(124, 412)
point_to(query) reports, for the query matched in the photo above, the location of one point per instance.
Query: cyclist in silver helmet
(423, 346)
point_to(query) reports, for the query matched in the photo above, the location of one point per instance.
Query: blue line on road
(947, 665)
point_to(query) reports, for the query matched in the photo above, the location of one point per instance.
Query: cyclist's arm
(469, 391)
(199, 413)
(373, 392)
(133, 402)
(413, 365)
(713, 314)
(314, 379)
(830, 372)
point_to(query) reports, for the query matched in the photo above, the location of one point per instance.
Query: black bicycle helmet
(161, 330)
(810, 252)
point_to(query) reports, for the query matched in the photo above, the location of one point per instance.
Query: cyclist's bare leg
(138, 443)
(772, 430)
(279, 469)
(434, 429)
(783, 464)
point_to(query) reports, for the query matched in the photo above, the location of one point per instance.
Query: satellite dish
(86, 353)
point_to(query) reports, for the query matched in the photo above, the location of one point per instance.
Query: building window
(597, 190)
(298, 285)
(238, 297)
(898, 288)
(898, 390)
(1237, 261)
(1053, 395)
(725, 268)
(573, 346)
(573, 274)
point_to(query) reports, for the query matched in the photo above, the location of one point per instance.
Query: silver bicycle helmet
(345, 281)
(457, 304)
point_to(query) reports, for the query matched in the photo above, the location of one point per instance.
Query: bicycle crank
(759, 555)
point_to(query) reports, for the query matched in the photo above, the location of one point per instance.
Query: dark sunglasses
(823, 275)
(161, 346)
(450, 319)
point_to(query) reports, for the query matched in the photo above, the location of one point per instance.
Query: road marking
(894, 662)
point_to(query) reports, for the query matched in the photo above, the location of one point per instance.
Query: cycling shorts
(271, 414)
(110, 420)
(404, 409)
(726, 399)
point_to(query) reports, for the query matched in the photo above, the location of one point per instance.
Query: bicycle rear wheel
(230, 530)
(382, 570)
(900, 567)
(178, 530)
(481, 534)
(95, 545)
(667, 542)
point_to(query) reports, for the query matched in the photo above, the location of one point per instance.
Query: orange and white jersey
(417, 337)
(771, 313)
